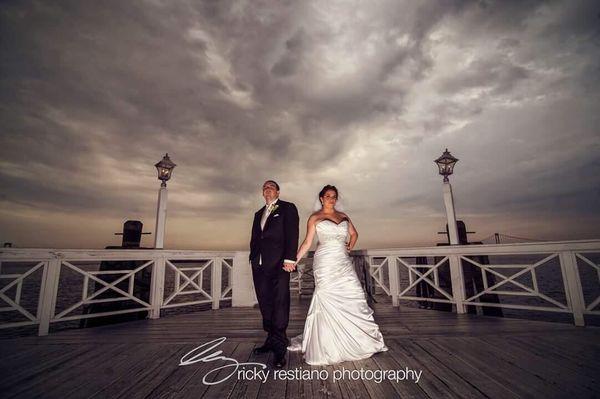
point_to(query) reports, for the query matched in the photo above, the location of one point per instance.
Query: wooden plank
(317, 384)
(141, 369)
(241, 353)
(576, 348)
(17, 357)
(473, 375)
(331, 387)
(384, 389)
(429, 382)
(19, 380)
(461, 387)
(405, 389)
(249, 388)
(58, 383)
(273, 388)
(98, 377)
(186, 381)
(298, 388)
(562, 378)
(552, 355)
(13, 352)
(172, 384)
(520, 380)
(157, 373)
(349, 387)
(306, 388)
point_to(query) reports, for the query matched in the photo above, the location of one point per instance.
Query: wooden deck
(459, 355)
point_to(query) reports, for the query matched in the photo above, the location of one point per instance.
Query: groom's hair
(274, 182)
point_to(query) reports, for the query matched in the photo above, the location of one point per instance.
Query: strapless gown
(339, 326)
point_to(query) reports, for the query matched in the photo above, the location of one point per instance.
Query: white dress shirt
(266, 212)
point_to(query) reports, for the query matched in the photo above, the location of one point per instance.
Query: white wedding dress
(339, 325)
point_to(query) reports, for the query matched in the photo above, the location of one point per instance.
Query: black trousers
(272, 285)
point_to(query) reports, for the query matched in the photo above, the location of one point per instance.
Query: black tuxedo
(270, 246)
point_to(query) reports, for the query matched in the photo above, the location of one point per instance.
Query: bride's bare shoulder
(314, 217)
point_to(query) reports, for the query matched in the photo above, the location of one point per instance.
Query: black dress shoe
(280, 362)
(262, 349)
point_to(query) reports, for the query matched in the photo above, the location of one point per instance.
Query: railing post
(242, 288)
(394, 280)
(573, 290)
(157, 286)
(48, 294)
(215, 282)
(458, 283)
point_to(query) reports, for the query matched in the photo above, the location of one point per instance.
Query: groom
(273, 255)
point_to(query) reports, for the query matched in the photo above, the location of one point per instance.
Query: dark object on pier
(424, 290)
(474, 284)
(472, 276)
(462, 233)
(132, 234)
(445, 283)
(365, 279)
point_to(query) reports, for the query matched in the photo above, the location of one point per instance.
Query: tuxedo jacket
(279, 239)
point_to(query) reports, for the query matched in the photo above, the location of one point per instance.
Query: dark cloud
(366, 95)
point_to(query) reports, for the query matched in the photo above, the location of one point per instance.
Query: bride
(339, 326)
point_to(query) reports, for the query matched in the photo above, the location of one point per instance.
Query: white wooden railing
(393, 271)
(188, 270)
(396, 274)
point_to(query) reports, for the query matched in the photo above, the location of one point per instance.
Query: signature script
(200, 354)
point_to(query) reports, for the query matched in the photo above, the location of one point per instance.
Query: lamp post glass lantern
(446, 164)
(165, 168)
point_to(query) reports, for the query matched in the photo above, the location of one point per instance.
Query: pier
(458, 354)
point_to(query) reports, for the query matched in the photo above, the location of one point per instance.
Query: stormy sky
(360, 94)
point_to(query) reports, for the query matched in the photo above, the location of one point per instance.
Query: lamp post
(446, 164)
(165, 168)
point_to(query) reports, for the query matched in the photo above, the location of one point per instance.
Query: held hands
(289, 267)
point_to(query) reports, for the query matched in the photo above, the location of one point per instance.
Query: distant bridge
(500, 238)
